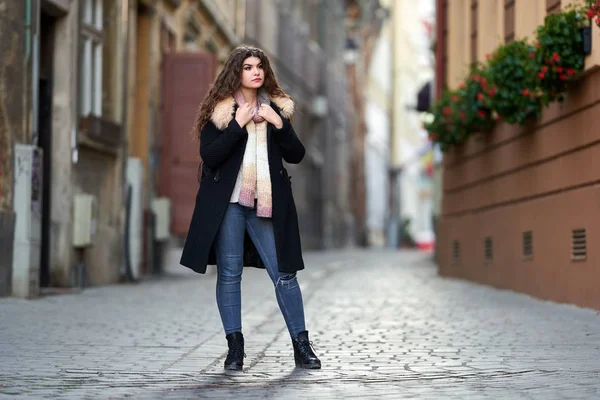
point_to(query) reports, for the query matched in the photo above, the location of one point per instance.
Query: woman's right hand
(244, 114)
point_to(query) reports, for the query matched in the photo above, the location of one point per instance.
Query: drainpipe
(27, 30)
(32, 28)
(395, 208)
(124, 87)
(124, 37)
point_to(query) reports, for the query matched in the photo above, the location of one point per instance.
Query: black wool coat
(222, 146)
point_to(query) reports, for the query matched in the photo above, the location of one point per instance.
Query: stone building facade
(81, 85)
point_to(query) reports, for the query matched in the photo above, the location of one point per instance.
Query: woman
(245, 212)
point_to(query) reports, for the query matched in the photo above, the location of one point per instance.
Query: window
(91, 58)
(552, 6)
(441, 52)
(474, 4)
(509, 21)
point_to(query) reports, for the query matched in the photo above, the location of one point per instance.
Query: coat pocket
(207, 172)
(284, 174)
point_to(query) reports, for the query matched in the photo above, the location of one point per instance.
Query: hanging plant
(513, 72)
(448, 124)
(476, 95)
(559, 52)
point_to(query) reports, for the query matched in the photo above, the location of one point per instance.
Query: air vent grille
(488, 249)
(455, 252)
(528, 245)
(579, 245)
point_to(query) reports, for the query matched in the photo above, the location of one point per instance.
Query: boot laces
(306, 347)
(236, 351)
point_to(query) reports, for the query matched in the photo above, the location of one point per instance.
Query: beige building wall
(196, 26)
(459, 28)
(529, 14)
(490, 26)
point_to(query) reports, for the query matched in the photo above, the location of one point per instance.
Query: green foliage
(461, 112)
(559, 52)
(512, 69)
(476, 95)
(447, 128)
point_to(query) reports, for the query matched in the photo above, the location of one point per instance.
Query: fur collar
(224, 110)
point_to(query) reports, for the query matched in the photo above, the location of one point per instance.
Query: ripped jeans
(229, 249)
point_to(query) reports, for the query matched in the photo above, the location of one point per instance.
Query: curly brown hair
(229, 81)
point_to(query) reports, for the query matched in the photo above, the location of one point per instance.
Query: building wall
(307, 55)
(97, 169)
(14, 86)
(65, 122)
(14, 122)
(412, 70)
(528, 186)
(378, 121)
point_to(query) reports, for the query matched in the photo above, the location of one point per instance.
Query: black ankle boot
(235, 356)
(303, 352)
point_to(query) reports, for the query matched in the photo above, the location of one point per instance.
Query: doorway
(45, 89)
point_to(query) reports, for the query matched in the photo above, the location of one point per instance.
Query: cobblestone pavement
(384, 324)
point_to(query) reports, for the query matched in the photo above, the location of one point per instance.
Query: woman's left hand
(267, 112)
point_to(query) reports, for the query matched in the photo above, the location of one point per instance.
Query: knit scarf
(255, 165)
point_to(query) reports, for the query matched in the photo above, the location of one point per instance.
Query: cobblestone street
(384, 324)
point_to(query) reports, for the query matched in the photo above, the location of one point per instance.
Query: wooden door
(186, 79)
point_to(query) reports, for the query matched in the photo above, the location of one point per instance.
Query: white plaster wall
(376, 164)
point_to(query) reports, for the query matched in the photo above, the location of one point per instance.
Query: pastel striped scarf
(256, 179)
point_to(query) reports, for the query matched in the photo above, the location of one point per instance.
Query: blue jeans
(229, 250)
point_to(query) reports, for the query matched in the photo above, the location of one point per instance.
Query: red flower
(531, 54)
(481, 113)
(544, 69)
(525, 92)
(447, 110)
(563, 77)
(559, 70)
(462, 85)
(598, 21)
(454, 98)
(537, 44)
(483, 81)
(492, 92)
(591, 13)
(570, 72)
(463, 116)
(479, 96)
(499, 118)
(433, 136)
(556, 57)
(488, 56)
(541, 75)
